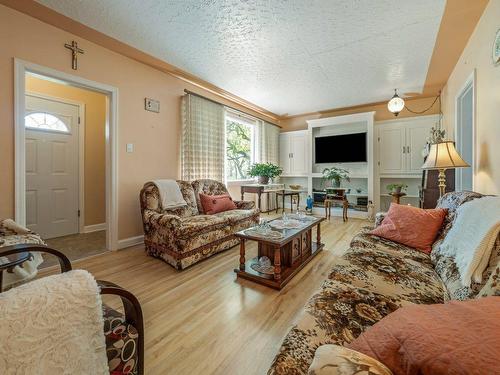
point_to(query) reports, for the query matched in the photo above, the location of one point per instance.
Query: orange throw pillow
(411, 226)
(458, 337)
(213, 204)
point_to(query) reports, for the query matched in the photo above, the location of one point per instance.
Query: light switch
(130, 147)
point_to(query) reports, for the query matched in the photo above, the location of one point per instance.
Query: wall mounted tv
(344, 148)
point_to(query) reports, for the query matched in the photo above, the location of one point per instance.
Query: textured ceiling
(288, 57)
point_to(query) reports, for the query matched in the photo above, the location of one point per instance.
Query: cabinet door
(391, 149)
(416, 138)
(285, 153)
(298, 149)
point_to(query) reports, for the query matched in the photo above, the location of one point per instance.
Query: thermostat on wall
(152, 105)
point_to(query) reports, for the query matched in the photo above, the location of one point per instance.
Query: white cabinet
(294, 153)
(400, 145)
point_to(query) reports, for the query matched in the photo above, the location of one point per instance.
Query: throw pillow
(213, 204)
(459, 337)
(411, 226)
(338, 360)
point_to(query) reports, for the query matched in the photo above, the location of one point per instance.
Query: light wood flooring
(201, 320)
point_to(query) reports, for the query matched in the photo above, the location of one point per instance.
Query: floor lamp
(443, 156)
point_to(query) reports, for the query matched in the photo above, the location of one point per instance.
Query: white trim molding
(22, 67)
(131, 241)
(94, 228)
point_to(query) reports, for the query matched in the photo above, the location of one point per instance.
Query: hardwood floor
(202, 321)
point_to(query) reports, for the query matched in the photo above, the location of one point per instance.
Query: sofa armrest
(244, 205)
(379, 216)
(155, 220)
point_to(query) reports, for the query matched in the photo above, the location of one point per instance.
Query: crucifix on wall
(74, 53)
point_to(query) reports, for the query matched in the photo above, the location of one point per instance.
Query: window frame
(244, 119)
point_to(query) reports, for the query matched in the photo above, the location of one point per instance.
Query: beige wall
(94, 147)
(478, 55)
(381, 113)
(155, 135)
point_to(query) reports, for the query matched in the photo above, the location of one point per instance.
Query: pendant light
(396, 104)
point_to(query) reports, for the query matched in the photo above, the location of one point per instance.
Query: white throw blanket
(170, 194)
(471, 239)
(54, 326)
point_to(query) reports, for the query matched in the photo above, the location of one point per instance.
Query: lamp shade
(443, 155)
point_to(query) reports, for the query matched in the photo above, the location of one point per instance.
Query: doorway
(61, 193)
(465, 134)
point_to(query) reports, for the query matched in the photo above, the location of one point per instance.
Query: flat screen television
(344, 148)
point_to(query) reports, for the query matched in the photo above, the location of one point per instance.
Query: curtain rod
(228, 106)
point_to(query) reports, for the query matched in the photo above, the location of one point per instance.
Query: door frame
(470, 82)
(81, 151)
(21, 67)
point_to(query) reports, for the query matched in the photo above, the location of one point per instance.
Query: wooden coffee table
(288, 254)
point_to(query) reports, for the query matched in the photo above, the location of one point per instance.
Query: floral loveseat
(372, 279)
(184, 236)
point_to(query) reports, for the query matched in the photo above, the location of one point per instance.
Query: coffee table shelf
(288, 255)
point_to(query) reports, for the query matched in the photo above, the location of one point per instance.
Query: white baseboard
(94, 228)
(131, 241)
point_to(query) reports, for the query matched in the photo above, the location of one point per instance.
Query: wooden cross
(74, 53)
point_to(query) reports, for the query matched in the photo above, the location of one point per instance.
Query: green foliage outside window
(238, 150)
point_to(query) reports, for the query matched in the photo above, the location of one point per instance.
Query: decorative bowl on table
(288, 224)
(295, 187)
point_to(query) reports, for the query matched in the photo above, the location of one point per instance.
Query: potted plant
(396, 188)
(264, 171)
(335, 175)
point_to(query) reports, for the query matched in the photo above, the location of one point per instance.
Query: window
(239, 146)
(45, 121)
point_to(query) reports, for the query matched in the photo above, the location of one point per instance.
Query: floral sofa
(184, 236)
(372, 279)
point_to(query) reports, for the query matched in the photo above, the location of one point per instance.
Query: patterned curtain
(268, 142)
(203, 143)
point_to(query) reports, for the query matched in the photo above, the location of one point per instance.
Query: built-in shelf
(351, 175)
(401, 176)
(404, 196)
(293, 176)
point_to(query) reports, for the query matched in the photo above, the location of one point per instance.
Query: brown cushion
(459, 337)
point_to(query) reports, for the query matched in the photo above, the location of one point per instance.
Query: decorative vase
(263, 180)
(396, 190)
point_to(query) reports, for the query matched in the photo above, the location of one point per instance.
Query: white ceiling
(288, 57)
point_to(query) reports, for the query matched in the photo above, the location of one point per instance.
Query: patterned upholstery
(373, 278)
(184, 236)
(121, 343)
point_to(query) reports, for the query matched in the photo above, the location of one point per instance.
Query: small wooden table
(336, 195)
(288, 254)
(259, 190)
(288, 193)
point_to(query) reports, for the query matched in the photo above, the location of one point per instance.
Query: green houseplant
(264, 171)
(335, 175)
(396, 188)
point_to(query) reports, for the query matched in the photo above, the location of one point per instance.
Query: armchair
(125, 328)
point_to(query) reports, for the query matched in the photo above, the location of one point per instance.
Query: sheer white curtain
(267, 142)
(203, 143)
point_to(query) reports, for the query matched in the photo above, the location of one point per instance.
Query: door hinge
(378, 139)
(78, 120)
(78, 213)
(378, 163)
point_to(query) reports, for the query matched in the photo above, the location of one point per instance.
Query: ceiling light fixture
(397, 104)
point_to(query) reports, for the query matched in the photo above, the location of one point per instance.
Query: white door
(51, 167)
(465, 137)
(298, 148)
(285, 153)
(392, 149)
(416, 138)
